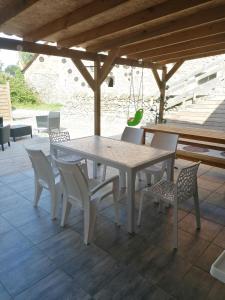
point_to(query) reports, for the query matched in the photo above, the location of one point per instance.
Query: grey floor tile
(4, 226)
(4, 295)
(26, 269)
(63, 247)
(56, 286)
(130, 285)
(24, 214)
(12, 203)
(12, 241)
(40, 229)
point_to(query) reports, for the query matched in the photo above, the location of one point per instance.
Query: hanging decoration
(136, 119)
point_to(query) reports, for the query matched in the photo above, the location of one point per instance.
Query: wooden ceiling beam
(83, 13)
(194, 56)
(205, 16)
(176, 38)
(18, 45)
(12, 10)
(181, 54)
(206, 41)
(151, 14)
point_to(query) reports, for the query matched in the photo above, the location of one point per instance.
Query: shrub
(19, 90)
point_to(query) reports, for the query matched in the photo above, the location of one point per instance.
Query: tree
(11, 70)
(25, 58)
(19, 91)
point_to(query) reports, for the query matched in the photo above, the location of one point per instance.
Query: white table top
(115, 153)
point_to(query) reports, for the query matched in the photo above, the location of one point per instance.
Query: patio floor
(40, 260)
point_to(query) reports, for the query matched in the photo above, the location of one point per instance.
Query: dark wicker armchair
(4, 136)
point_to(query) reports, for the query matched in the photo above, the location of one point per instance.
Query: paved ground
(40, 260)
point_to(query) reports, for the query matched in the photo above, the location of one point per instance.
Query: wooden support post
(162, 94)
(97, 98)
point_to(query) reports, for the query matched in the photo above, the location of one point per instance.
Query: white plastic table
(127, 157)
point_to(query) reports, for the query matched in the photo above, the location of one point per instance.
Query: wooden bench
(196, 137)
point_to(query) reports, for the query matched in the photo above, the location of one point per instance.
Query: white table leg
(95, 170)
(131, 201)
(122, 179)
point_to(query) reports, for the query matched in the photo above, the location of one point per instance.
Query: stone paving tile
(209, 230)
(213, 213)
(130, 285)
(56, 286)
(63, 246)
(217, 199)
(220, 239)
(25, 270)
(40, 229)
(196, 284)
(208, 257)
(4, 226)
(12, 203)
(24, 214)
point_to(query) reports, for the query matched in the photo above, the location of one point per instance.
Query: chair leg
(104, 173)
(38, 190)
(175, 224)
(122, 180)
(140, 209)
(197, 210)
(9, 143)
(54, 202)
(89, 223)
(3, 147)
(65, 211)
(116, 196)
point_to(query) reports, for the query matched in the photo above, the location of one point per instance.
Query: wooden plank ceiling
(155, 31)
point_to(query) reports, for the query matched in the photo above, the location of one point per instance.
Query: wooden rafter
(108, 64)
(151, 14)
(10, 44)
(204, 17)
(194, 56)
(12, 10)
(172, 71)
(181, 54)
(77, 16)
(207, 30)
(84, 72)
(206, 41)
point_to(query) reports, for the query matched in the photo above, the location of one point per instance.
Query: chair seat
(154, 168)
(163, 189)
(71, 158)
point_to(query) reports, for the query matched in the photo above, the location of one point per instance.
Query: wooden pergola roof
(141, 33)
(157, 31)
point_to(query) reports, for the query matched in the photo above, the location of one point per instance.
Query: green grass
(38, 106)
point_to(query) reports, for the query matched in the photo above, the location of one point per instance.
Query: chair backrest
(5, 134)
(54, 120)
(58, 137)
(42, 167)
(74, 181)
(133, 135)
(165, 141)
(187, 181)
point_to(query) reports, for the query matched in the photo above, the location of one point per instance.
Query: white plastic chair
(54, 121)
(44, 177)
(184, 188)
(77, 189)
(164, 141)
(59, 137)
(130, 135)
